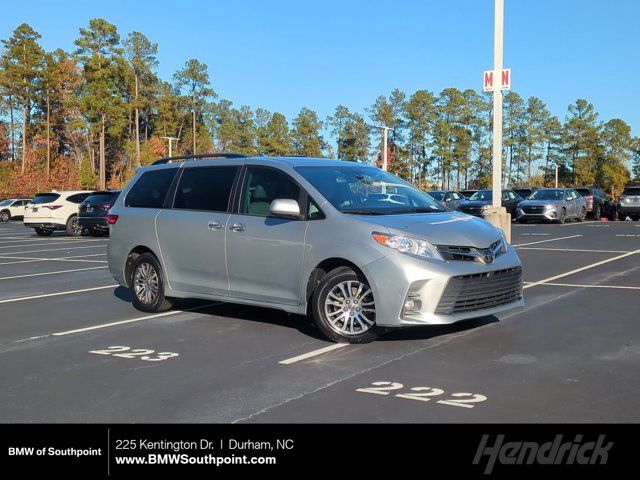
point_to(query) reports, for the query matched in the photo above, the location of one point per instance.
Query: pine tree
(306, 137)
(278, 138)
(22, 63)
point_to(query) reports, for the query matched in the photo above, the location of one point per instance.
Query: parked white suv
(12, 208)
(55, 211)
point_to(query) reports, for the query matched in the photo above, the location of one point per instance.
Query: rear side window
(205, 188)
(45, 198)
(631, 191)
(151, 189)
(102, 198)
(77, 198)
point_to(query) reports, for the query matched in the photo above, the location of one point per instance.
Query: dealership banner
(116, 451)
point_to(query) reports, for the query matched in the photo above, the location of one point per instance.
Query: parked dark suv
(92, 213)
(524, 192)
(629, 203)
(598, 203)
(482, 200)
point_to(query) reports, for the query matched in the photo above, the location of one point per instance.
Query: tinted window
(456, 196)
(631, 191)
(550, 194)
(482, 195)
(584, 191)
(45, 198)
(314, 211)
(206, 188)
(102, 197)
(78, 197)
(4, 203)
(437, 195)
(262, 186)
(151, 189)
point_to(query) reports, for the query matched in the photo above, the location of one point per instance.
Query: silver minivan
(352, 246)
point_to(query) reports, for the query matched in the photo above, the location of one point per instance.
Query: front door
(192, 233)
(265, 253)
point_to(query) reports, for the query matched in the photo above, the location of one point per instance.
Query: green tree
(141, 54)
(536, 116)
(420, 112)
(306, 137)
(388, 112)
(102, 97)
(617, 152)
(277, 138)
(193, 81)
(351, 133)
(514, 125)
(581, 133)
(22, 62)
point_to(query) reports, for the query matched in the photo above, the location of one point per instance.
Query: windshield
(553, 194)
(437, 195)
(482, 195)
(367, 190)
(45, 198)
(4, 203)
(631, 191)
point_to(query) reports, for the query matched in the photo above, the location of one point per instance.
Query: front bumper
(398, 278)
(550, 214)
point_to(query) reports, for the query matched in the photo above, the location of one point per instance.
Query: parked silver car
(554, 204)
(354, 247)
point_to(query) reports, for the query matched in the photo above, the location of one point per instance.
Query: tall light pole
(385, 131)
(497, 104)
(171, 139)
(495, 81)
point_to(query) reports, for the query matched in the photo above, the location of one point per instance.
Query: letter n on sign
(505, 79)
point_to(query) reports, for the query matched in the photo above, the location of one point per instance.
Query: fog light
(412, 305)
(553, 214)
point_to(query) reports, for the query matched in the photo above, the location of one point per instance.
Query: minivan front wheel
(344, 308)
(147, 285)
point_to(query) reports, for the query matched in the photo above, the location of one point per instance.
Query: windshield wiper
(420, 210)
(362, 212)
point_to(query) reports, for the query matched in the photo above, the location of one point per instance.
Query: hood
(453, 228)
(538, 203)
(475, 203)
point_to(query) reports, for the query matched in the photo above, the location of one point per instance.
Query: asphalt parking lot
(73, 349)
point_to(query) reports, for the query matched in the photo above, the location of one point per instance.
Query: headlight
(486, 207)
(552, 205)
(408, 245)
(503, 245)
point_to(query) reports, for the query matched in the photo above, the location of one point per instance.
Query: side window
(456, 196)
(150, 189)
(205, 188)
(264, 185)
(314, 212)
(448, 197)
(74, 198)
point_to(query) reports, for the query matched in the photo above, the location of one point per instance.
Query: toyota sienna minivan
(352, 246)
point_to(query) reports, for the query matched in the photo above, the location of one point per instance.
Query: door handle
(215, 225)
(237, 227)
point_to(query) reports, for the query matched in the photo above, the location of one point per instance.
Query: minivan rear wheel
(344, 308)
(147, 285)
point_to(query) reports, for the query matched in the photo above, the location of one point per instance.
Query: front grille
(454, 252)
(533, 210)
(471, 210)
(478, 291)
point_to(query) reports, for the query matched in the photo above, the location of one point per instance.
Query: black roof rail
(200, 156)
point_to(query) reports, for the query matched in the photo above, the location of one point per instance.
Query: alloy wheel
(349, 307)
(145, 283)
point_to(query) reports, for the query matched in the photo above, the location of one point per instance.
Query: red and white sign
(497, 80)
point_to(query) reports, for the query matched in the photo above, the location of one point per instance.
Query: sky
(286, 54)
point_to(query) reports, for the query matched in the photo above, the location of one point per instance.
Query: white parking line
(133, 320)
(46, 295)
(624, 287)
(54, 249)
(314, 353)
(581, 269)
(52, 273)
(58, 259)
(51, 243)
(573, 250)
(547, 240)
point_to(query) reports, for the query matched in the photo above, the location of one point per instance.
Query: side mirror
(285, 207)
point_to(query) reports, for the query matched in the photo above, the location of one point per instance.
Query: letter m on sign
(488, 81)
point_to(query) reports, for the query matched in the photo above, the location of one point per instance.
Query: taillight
(112, 219)
(52, 207)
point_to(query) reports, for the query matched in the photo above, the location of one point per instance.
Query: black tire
(330, 281)
(582, 216)
(613, 215)
(562, 217)
(596, 212)
(151, 304)
(73, 227)
(5, 216)
(43, 232)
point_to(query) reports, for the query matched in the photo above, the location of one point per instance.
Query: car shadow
(427, 332)
(242, 312)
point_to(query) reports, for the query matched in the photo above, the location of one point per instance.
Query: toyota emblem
(488, 256)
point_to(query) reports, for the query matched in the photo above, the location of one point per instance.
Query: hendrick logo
(556, 452)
